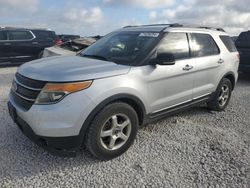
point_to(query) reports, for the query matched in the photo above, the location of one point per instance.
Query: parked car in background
(128, 78)
(66, 38)
(243, 46)
(68, 48)
(22, 45)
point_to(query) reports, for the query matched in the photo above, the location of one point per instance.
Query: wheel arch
(132, 100)
(231, 77)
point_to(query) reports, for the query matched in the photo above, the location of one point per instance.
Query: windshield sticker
(149, 35)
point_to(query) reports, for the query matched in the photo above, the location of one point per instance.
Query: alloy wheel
(224, 95)
(115, 132)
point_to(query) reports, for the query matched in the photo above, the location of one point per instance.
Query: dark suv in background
(22, 45)
(243, 46)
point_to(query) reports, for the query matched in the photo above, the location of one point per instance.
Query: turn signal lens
(67, 87)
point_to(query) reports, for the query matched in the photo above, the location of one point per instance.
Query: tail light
(58, 41)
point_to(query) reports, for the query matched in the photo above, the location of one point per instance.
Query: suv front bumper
(56, 127)
(56, 145)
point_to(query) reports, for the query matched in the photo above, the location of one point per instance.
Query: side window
(45, 35)
(203, 45)
(3, 35)
(176, 44)
(228, 42)
(20, 35)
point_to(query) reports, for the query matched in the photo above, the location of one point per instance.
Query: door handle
(220, 61)
(7, 44)
(187, 67)
(34, 42)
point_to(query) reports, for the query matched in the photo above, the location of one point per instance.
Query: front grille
(25, 90)
(30, 82)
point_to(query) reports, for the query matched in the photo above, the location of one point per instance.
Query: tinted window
(176, 44)
(203, 45)
(20, 35)
(228, 43)
(3, 35)
(45, 34)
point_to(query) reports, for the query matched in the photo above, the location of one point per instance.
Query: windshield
(121, 47)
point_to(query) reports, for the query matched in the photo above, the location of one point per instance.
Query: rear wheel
(112, 131)
(221, 97)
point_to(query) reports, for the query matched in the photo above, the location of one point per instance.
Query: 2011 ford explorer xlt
(131, 76)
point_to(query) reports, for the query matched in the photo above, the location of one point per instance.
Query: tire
(105, 138)
(40, 55)
(221, 97)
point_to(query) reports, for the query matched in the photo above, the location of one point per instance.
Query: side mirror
(164, 59)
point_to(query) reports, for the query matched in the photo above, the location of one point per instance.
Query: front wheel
(221, 97)
(112, 131)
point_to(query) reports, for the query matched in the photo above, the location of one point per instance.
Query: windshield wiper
(96, 57)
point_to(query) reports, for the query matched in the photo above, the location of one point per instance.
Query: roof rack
(214, 28)
(155, 25)
(181, 25)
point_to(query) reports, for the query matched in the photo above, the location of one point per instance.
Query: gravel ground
(196, 148)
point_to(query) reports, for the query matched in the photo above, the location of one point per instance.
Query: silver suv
(130, 77)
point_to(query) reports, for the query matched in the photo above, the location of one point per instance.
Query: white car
(68, 48)
(102, 95)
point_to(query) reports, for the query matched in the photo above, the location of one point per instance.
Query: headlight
(54, 92)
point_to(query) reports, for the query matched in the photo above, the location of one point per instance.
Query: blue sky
(92, 17)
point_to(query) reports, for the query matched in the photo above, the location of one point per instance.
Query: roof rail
(149, 25)
(180, 25)
(167, 25)
(202, 27)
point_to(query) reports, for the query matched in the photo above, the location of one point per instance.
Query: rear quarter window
(228, 42)
(45, 35)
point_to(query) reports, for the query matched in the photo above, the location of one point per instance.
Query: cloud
(231, 15)
(92, 16)
(19, 5)
(148, 4)
(70, 19)
(88, 17)
(152, 15)
(81, 21)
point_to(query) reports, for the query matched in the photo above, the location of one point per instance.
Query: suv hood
(70, 68)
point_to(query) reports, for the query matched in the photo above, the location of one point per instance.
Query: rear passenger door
(208, 62)
(20, 44)
(172, 85)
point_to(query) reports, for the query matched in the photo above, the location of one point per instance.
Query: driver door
(171, 85)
